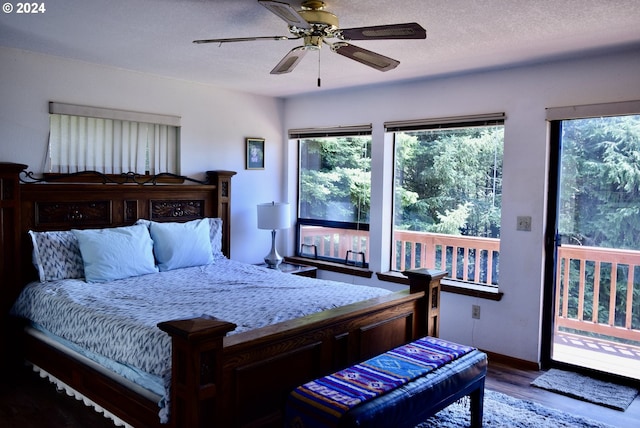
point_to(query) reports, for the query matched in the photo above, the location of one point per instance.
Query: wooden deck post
(427, 322)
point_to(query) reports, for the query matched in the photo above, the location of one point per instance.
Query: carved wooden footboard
(243, 380)
(217, 381)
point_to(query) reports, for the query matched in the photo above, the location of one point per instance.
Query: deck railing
(612, 308)
(470, 259)
(334, 243)
(598, 291)
(466, 258)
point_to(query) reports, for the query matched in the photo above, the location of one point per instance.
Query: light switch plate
(524, 223)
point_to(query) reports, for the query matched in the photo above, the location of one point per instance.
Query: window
(334, 186)
(592, 273)
(447, 196)
(111, 141)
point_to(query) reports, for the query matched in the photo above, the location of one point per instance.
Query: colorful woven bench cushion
(322, 402)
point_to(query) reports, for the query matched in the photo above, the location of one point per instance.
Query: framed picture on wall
(255, 153)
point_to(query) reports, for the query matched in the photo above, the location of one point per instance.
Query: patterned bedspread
(118, 319)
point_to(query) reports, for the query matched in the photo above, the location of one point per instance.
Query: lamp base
(273, 263)
(273, 259)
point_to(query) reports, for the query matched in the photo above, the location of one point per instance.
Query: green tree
(600, 182)
(335, 178)
(450, 181)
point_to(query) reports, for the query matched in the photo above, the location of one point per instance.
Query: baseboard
(512, 361)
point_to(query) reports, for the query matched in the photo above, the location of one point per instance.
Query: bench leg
(477, 406)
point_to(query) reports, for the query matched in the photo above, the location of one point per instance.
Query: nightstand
(296, 269)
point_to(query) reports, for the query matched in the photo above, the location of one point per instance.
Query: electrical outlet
(524, 223)
(475, 312)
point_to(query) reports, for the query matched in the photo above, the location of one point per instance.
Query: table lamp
(273, 216)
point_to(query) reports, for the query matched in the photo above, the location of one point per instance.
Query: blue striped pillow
(56, 255)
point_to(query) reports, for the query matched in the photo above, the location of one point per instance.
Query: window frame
(457, 122)
(334, 132)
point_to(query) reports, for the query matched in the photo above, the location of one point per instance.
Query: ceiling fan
(313, 24)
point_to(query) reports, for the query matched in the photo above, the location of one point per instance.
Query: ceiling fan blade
(287, 12)
(366, 57)
(410, 30)
(244, 39)
(290, 60)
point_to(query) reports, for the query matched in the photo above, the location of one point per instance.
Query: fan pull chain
(318, 68)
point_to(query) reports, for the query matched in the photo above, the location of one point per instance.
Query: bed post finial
(222, 181)
(427, 320)
(196, 369)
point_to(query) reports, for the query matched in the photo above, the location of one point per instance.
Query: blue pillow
(215, 235)
(179, 245)
(115, 253)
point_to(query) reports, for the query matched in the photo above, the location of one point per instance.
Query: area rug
(501, 410)
(587, 389)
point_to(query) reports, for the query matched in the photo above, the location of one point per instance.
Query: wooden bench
(412, 403)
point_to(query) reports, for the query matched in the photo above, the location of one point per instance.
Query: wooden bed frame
(217, 381)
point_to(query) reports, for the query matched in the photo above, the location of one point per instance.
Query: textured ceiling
(155, 36)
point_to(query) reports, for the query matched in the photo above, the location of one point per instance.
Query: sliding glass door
(595, 298)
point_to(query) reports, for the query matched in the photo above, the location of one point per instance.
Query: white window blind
(445, 122)
(338, 131)
(112, 141)
(593, 110)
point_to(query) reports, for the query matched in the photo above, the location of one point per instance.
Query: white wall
(215, 123)
(513, 325)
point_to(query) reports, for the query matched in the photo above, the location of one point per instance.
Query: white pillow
(115, 253)
(178, 245)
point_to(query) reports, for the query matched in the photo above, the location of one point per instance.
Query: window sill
(449, 286)
(332, 267)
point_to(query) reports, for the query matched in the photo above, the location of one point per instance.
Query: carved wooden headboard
(42, 206)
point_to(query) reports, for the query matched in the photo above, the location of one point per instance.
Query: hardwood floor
(513, 381)
(26, 401)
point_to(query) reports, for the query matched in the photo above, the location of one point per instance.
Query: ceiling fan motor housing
(321, 17)
(322, 24)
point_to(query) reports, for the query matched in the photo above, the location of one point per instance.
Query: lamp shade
(273, 216)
